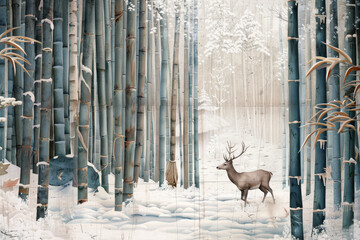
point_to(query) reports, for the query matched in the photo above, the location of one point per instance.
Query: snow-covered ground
(214, 211)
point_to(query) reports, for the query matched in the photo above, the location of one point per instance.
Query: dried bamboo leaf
(344, 125)
(339, 51)
(349, 70)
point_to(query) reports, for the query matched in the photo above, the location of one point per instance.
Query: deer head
(228, 159)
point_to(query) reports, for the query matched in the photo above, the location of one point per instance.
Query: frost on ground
(214, 211)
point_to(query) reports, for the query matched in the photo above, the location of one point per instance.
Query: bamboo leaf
(320, 132)
(7, 31)
(316, 65)
(307, 139)
(339, 51)
(345, 124)
(349, 70)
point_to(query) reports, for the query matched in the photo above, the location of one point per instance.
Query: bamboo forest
(153, 119)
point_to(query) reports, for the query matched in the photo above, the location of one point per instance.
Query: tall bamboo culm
(109, 82)
(18, 83)
(58, 89)
(3, 84)
(45, 111)
(196, 113)
(171, 171)
(130, 102)
(28, 104)
(85, 100)
(163, 96)
(140, 126)
(296, 206)
(101, 80)
(118, 105)
(73, 85)
(191, 77)
(186, 97)
(320, 148)
(349, 136)
(334, 89)
(65, 39)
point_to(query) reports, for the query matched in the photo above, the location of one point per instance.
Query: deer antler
(230, 151)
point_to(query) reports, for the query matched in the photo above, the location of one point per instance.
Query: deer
(245, 181)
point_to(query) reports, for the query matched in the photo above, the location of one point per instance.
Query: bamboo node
(319, 210)
(293, 80)
(296, 209)
(293, 38)
(103, 156)
(294, 122)
(47, 49)
(82, 169)
(350, 161)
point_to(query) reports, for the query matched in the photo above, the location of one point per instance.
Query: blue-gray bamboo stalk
(320, 148)
(296, 206)
(45, 111)
(85, 99)
(65, 39)
(191, 76)
(130, 114)
(186, 97)
(140, 125)
(28, 103)
(196, 112)
(334, 88)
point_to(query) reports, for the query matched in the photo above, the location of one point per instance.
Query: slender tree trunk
(28, 104)
(58, 92)
(3, 83)
(296, 206)
(65, 38)
(109, 85)
(157, 73)
(334, 89)
(118, 104)
(101, 81)
(130, 115)
(186, 97)
(140, 128)
(196, 104)
(45, 111)
(320, 148)
(163, 97)
(191, 72)
(85, 100)
(73, 85)
(349, 135)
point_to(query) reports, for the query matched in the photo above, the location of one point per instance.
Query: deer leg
(242, 195)
(263, 189)
(270, 190)
(245, 196)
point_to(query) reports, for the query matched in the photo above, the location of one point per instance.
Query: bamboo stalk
(18, 82)
(28, 104)
(3, 83)
(140, 126)
(118, 147)
(66, 97)
(196, 104)
(171, 171)
(109, 82)
(85, 100)
(58, 92)
(100, 70)
(186, 98)
(320, 152)
(130, 116)
(45, 111)
(296, 205)
(191, 75)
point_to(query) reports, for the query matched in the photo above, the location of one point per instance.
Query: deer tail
(271, 174)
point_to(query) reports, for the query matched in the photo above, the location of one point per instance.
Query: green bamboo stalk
(118, 106)
(163, 96)
(85, 100)
(349, 135)
(186, 98)
(296, 207)
(171, 177)
(196, 104)
(29, 100)
(66, 97)
(3, 83)
(335, 95)
(130, 116)
(140, 125)
(18, 82)
(357, 97)
(45, 111)
(109, 82)
(58, 92)
(100, 70)
(320, 148)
